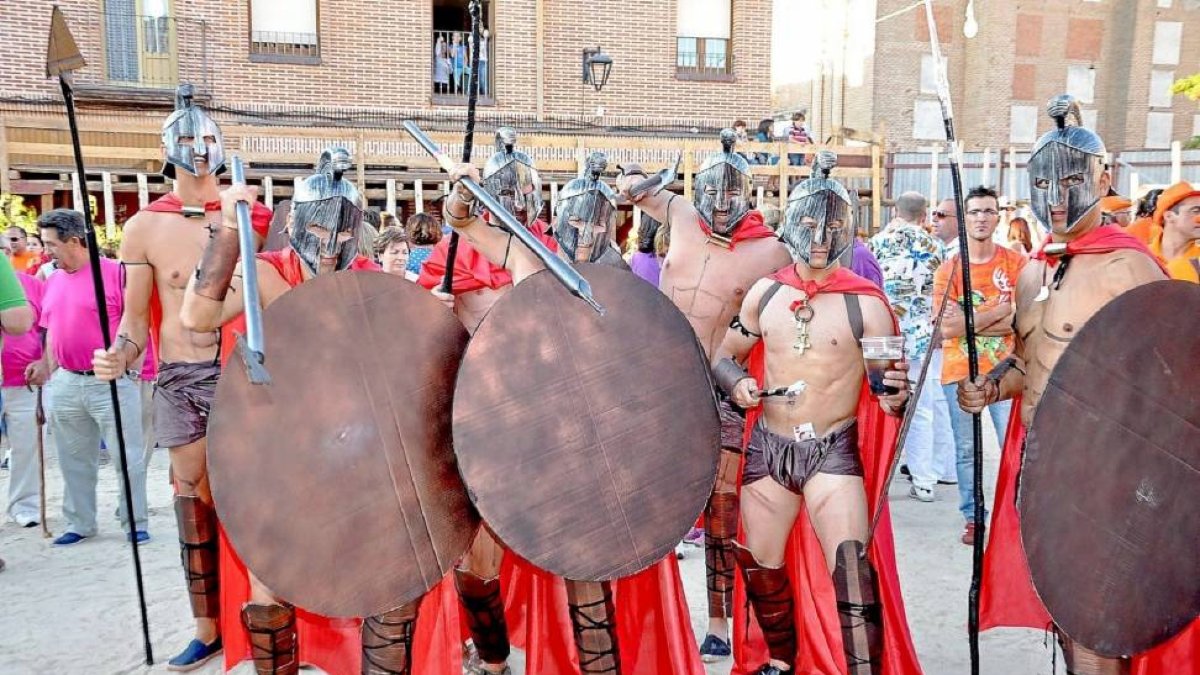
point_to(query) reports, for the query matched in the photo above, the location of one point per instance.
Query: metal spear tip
(62, 53)
(593, 304)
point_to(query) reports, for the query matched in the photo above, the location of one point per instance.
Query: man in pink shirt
(20, 412)
(82, 411)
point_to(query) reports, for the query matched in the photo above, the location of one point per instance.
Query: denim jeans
(964, 444)
(930, 449)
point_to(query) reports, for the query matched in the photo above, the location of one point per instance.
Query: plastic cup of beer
(881, 355)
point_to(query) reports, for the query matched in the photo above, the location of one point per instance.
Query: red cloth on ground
(751, 227)
(333, 645)
(472, 271)
(818, 628)
(1104, 239)
(1007, 597)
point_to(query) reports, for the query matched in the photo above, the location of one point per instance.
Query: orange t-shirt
(20, 261)
(992, 283)
(1142, 228)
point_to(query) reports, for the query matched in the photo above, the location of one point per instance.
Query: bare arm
(494, 243)
(677, 213)
(134, 330)
(213, 295)
(728, 359)
(996, 321)
(17, 320)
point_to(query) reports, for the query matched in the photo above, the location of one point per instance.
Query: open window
(702, 44)
(140, 44)
(285, 31)
(450, 53)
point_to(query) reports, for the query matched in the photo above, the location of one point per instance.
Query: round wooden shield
(1111, 475)
(588, 443)
(337, 483)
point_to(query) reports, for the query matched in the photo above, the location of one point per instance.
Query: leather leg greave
(198, 551)
(858, 609)
(593, 620)
(272, 631)
(387, 641)
(720, 528)
(485, 615)
(770, 592)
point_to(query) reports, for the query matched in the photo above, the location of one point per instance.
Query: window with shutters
(702, 44)
(284, 31)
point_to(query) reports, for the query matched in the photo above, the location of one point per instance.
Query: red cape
(751, 227)
(333, 645)
(1007, 597)
(472, 271)
(818, 629)
(260, 220)
(1104, 239)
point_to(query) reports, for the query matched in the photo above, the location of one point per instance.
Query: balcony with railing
(135, 56)
(451, 68)
(702, 58)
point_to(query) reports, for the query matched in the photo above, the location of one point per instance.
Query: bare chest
(174, 250)
(472, 307)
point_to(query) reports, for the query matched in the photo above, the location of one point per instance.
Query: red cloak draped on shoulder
(751, 227)
(472, 271)
(1105, 239)
(1007, 597)
(260, 220)
(333, 645)
(818, 628)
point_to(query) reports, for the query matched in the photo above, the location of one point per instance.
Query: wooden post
(445, 187)
(1134, 185)
(47, 202)
(1012, 175)
(76, 197)
(5, 185)
(110, 218)
(360, 166)
(391, 195)
(689, 168)
(759, 194)
(296, 186)
(933, 175)
(540, 59)
(1176, 162)
(143, 191)
(783, 175)
(637, 219)
(876, 187)
(987, 167)
(268, 185)
(554, 197)
(419, 196)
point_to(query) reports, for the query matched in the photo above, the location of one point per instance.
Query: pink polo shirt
(69, 313)
(21, 350)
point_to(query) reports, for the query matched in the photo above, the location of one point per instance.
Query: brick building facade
(379, 55)
(1118, 57)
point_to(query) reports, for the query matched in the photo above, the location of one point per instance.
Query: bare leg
(197, 535)
(1083, 661)
(272, 628)
(720, 529)
(593, 621)
(837, 507)
(478, 582)
(387, 641)
(768, 513)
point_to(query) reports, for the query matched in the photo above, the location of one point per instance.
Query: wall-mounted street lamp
(596, 67)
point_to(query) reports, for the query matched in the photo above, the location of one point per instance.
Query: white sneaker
(921, 494)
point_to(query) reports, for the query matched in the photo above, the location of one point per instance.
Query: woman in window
(441, 66)
(458, 52)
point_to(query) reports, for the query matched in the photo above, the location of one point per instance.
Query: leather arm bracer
(217, 264)
(727, 373)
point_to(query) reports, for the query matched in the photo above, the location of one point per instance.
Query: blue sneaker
(142, 536)
(69, 539)
(714, 649)
(193, 656)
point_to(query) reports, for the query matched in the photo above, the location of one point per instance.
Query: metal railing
(141, 52)
(274, 43)
(706, 56)
(451, 66)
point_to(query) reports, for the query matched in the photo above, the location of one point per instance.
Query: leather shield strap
(727, 373)
(198, 549)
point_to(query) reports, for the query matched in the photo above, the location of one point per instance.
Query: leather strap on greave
(272, 631)
(1082, 661)
(720, 527)
(485, 615)
(770, 592)
(858, 609)
(593, 620)
(198, 551)
(387, 641)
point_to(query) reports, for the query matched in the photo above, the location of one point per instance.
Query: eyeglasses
(943, 214)
(16, 239)
(975, 213)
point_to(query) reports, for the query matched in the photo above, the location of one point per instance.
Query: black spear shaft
(93, 246)
(468, 138)
(972, 355)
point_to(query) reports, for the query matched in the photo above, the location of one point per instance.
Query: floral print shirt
(909, 257)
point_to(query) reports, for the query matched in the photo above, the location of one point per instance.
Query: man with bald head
(909, 257)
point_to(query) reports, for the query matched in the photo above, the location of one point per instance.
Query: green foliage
(14, 211)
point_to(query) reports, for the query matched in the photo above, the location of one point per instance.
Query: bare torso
(1046, 328)
(708, 282)
(172, 245)
(832, 368)
(471, 307)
